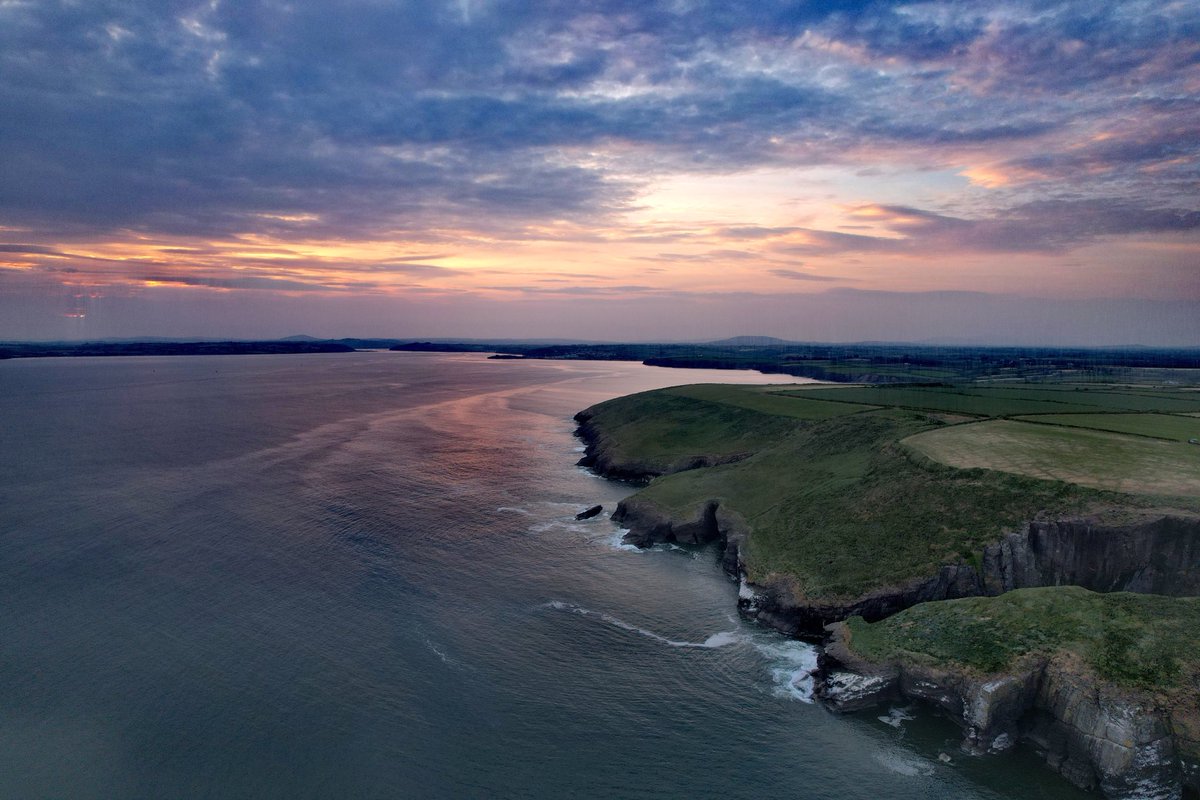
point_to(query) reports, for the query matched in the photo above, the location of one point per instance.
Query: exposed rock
(1156, 555)
(709, 522)
(1095, 734)
(845, 682)
(588, 513)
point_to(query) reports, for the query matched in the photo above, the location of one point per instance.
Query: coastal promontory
(1022, 557)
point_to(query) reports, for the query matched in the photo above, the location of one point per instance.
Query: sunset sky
(1009, 172)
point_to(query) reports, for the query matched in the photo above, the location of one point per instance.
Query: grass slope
(840, 510)
(1132, 640)
(1158, 426)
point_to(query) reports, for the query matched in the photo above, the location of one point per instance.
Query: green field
(1102, 460)
(1123, 399)
(768, 400)
(1133, 640)
(980, 403)
(994, 401)
(1159, 426)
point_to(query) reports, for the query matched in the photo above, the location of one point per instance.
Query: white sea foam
(617, 541)
(896, 717)
(721, 639)
(445, 659)
(513, 510)
(903, 764)
(559, 524)
(791, 664)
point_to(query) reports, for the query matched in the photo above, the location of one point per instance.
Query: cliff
(1103, 687)
(828, 517)
(1146, 551)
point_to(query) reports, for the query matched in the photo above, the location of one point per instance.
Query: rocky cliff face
(778, 605)
(711, 522)
(1096, 735)
(1158, 553)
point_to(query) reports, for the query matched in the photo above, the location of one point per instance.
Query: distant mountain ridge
(750, 341)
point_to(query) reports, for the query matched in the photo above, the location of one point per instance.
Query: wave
(445, 659)
(617, 541)
(896, 717)
(791, 665)
(720, 639)
(903, 764)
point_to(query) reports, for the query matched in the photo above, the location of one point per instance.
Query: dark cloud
(348, 118)
(30, 249)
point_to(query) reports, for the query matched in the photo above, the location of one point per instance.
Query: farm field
(1093, 458)
(989, 401)
(768, 400)
(1159, 426)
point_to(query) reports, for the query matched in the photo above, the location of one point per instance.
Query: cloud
(265, 136)
(794, 275)
(30, 249)
(273, 284)
(1037, 226)
(195, 119)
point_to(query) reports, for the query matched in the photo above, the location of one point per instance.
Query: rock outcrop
(711, 522)
(1121, 742)
(588, 513)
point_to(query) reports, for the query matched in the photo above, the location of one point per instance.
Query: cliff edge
(1105, 687)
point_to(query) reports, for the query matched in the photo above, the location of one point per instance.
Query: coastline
(1098, 736)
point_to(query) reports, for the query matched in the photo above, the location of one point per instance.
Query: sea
(360, 576)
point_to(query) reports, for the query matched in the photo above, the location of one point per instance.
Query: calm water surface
(359, 575)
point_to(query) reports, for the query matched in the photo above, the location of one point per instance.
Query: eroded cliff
(1121, 718)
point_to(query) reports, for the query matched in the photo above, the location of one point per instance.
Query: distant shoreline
(100, 349)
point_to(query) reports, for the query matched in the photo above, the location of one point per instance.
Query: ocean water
(359, 575)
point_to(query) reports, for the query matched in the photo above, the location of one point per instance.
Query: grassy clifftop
(839, 504)
(1132, 640)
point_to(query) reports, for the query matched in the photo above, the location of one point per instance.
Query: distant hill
(749, 341)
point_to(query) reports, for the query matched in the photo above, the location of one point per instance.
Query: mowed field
(1159, 426)
(1101, 437)
(1095, 458)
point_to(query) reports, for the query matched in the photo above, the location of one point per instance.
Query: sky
(971, 172)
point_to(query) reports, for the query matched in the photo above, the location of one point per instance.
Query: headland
(1022, 556)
